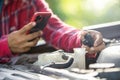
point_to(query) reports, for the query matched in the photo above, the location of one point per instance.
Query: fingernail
(33, 23)
(92, 49)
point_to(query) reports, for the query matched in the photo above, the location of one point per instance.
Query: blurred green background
(80, 13)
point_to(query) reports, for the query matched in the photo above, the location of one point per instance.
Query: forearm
(65, 38)
(57, 33)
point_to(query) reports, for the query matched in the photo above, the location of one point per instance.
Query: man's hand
(19, 41)
(98, 41)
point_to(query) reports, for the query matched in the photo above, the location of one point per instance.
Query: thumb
(83, 33)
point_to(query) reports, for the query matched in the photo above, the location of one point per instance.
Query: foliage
(80, 13)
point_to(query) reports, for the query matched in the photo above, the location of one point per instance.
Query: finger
(27, 27)
(32, 43)
(92, 50)
(33, 35)
(22, 50)
(97, 49)
(98, 40)
(25, 49)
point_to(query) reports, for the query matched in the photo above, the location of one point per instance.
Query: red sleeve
(57, 33)
(4, 49)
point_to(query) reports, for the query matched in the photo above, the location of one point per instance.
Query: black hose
(61, 65)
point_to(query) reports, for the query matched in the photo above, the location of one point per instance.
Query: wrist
(5, 47)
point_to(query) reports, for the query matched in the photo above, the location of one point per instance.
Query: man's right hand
(19, 41)
(98, 41)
